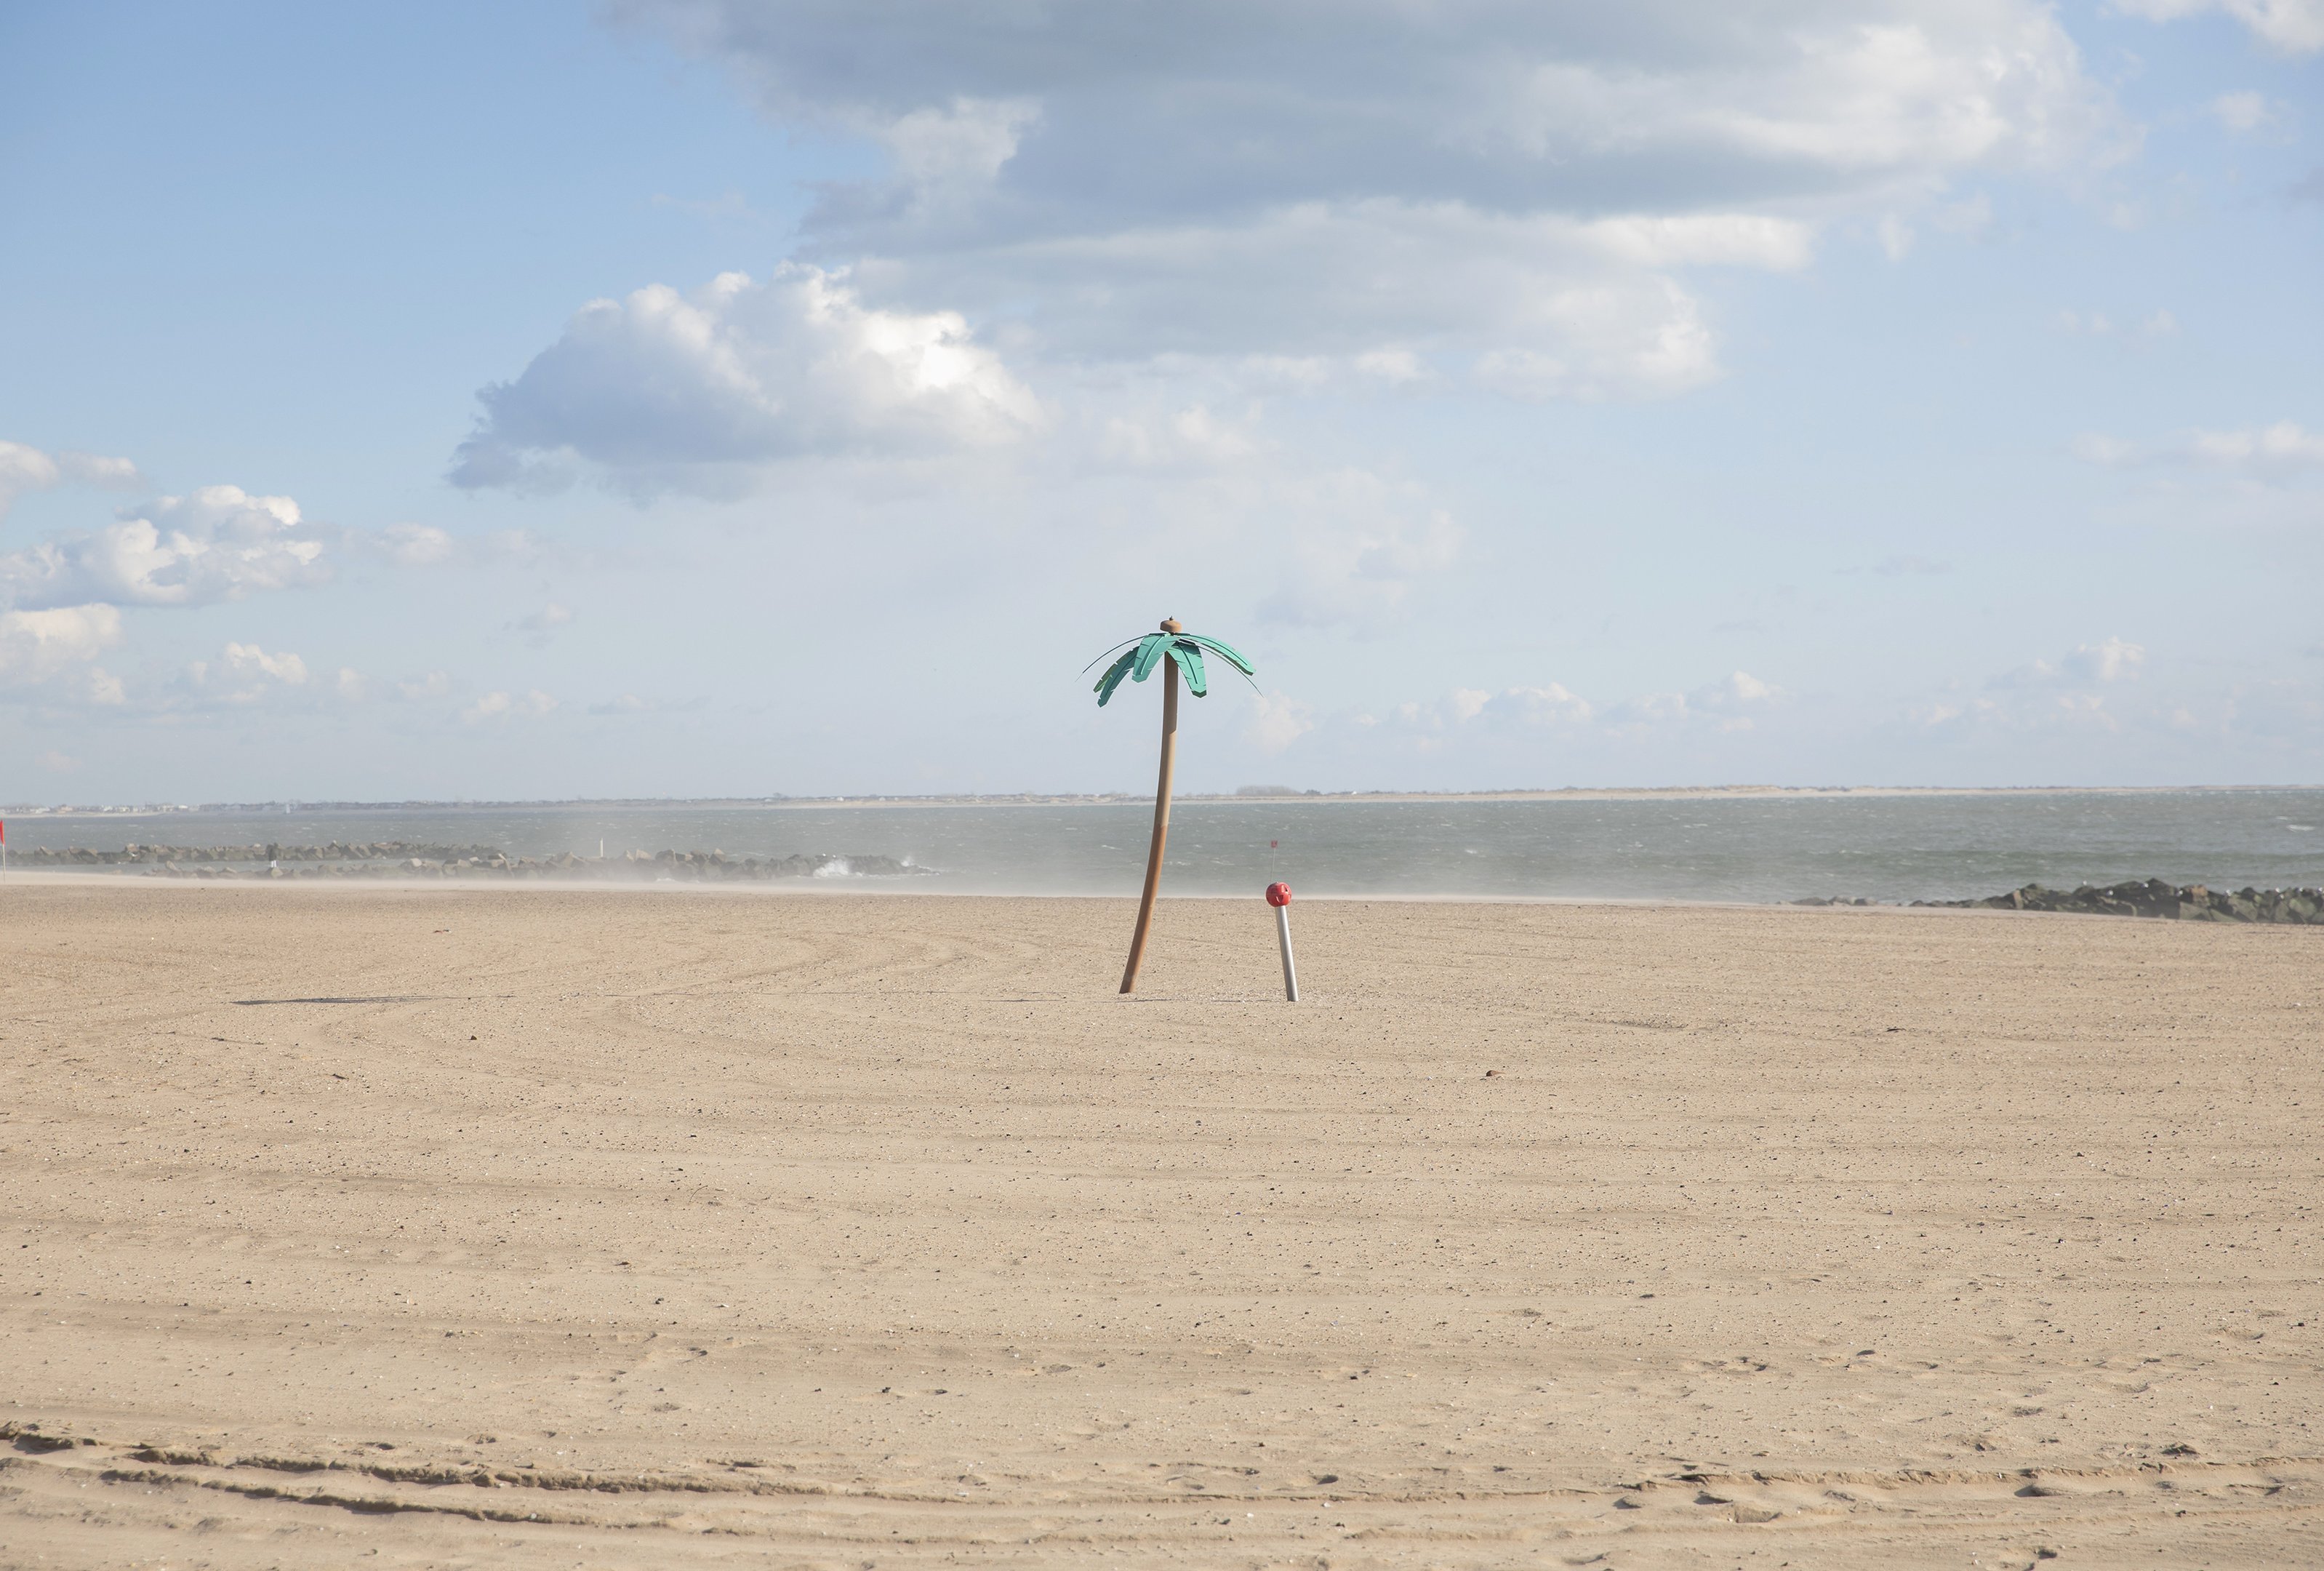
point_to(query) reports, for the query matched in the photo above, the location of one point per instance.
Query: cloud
(2279, 449)
(2088, 665)
(416, 545)
(1276, 721)
(50, 655)
(1255, 104)
(1536, 304)
(541, 626)
(25, 470)
(669, 391)
(96, 469)
(2273, 452)
(2156, 324)
(2077, 691)
(1347, 568)
(1516, 193)
(244, 674)
(501, 707)
(1552, 705)
(941, 153)
(1548, 706)
(1369, 370)
(2291, 26)
(2109, 661)
(36, 646)
(624, 705)
(1725, 705)
(2245, 112)
(1192, 439)
(218, 543)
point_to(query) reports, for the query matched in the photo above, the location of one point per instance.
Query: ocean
(1762, 848)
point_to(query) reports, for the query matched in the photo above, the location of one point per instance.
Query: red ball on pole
(1278, 895)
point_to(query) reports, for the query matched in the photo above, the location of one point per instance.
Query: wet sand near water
(537, 1228)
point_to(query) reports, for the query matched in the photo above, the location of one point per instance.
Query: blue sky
(707, 398)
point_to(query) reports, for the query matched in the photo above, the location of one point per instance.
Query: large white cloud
(1490, 193)
(1270, 176)
(216, 543)
(695, 391)
(1533, 304)
(1125, 113)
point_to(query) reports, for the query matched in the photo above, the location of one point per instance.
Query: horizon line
(1244, 794)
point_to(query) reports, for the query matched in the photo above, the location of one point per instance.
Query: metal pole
(1290, 971)
(1161, 816)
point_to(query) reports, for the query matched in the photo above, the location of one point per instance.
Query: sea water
(1936, 846)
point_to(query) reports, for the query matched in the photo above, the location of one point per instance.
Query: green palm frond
(1112, 678)
(1125, 644)
(1136, 659)
(1150, 654)
(1190, 660)
(1234, 656)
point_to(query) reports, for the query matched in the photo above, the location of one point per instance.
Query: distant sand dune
(530, 1228)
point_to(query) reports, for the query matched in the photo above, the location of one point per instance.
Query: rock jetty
(416, 859)
(2185, 903)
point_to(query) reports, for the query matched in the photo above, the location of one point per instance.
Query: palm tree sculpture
(1172, 648)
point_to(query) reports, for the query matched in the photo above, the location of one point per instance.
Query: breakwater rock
(416, 859)
(2185, 903)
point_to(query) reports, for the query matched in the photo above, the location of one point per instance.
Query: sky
(700, 398)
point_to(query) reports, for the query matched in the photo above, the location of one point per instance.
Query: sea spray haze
(1898, 847)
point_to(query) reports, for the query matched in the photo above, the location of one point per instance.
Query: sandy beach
(524, 1228)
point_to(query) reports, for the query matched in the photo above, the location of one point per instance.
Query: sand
(530, 1228)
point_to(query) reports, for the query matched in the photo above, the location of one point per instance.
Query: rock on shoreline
(416, 859)
(2186, 903)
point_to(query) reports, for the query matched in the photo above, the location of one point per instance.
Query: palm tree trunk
(1161, 821)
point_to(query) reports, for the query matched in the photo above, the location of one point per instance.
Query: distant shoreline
(1113, 799)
